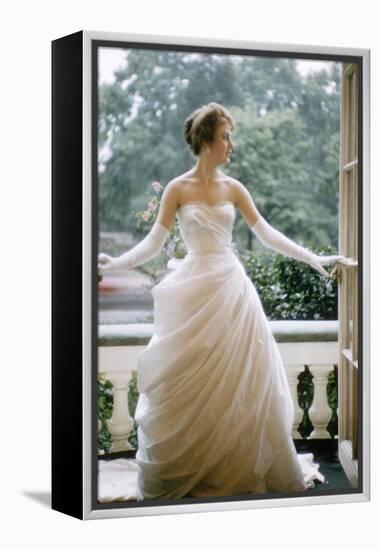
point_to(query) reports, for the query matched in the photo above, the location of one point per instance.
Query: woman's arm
(153, 243)
(272, 238)
(169, 204)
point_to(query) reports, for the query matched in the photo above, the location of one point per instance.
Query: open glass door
(348, 276)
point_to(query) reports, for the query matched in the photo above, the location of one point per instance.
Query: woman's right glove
(145, 250)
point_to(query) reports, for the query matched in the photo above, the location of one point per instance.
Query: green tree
(287, 136)
(268, 160)
(273, 83)
(141, 119)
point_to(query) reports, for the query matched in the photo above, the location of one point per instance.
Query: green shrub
(332, 395)
(291, 290)
(104, 412)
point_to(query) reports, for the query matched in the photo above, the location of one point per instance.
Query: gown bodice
(206, 229)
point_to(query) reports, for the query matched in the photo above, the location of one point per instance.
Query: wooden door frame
(353, 380)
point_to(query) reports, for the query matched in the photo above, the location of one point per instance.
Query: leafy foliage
(104, 412)
(332, 395)
(292, 290)
(305, 394)
(132, 401)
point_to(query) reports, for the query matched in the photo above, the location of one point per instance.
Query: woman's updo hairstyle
(200, 127)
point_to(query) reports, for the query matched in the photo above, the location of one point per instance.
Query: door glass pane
(350, 415)
(355, 313)
(352, 125)
(355, 414)
(356, 206)
(351, 213)
(349, 308)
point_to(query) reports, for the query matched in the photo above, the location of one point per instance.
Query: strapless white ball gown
(215, 412)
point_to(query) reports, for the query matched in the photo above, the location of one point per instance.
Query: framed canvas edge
(366, 282)
(364, 54)
(222, 506)
(224, 43)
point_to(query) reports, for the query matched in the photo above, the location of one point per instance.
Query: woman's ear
(205, 148)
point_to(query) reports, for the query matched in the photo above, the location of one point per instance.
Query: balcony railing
(310, 346)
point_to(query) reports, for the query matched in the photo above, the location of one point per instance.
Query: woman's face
(222, 145)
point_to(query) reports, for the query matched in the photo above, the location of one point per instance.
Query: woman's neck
(205, 170)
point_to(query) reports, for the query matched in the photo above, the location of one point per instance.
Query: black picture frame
(74, 290)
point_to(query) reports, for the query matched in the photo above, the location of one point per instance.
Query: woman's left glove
(318, 261)
(272, 238)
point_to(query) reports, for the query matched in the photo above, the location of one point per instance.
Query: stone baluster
(320, 413)
(99, 451)
(120, 424)
(292, 372)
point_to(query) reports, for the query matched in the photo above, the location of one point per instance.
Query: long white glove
(272, 238)
(148, 248)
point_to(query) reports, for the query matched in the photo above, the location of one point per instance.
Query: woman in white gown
(215, 413)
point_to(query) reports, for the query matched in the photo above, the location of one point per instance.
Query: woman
(215, 412)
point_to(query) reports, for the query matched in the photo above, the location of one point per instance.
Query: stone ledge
(305, 331)
(135, 334)
(284, 331)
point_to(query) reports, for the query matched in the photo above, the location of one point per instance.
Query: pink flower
(152, 205)
(156, 186)
(145, 216)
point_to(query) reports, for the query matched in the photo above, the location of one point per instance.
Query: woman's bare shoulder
(234, 182)
(237, 188)
(175, 186)
(178, 182)
(244, 201)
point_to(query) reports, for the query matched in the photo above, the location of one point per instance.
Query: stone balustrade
(311, 345)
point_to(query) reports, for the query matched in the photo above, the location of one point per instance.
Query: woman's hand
(318, 261)
(105, 263)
